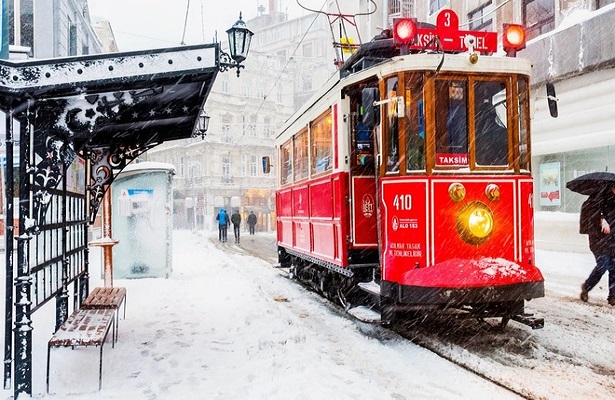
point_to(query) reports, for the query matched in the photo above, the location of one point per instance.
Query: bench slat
(104, 297)
(84, 328)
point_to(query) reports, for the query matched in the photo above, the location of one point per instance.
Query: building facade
(52, 28)
(223, 169)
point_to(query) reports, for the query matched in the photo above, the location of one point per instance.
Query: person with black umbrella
(597, 220)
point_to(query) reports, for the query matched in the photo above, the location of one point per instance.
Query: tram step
(365, 314)
(371, 287)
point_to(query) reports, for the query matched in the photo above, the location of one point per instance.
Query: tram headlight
(475, 222)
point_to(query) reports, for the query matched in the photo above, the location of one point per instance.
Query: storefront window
(571, 165)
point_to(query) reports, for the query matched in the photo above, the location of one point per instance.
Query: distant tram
(405, 183)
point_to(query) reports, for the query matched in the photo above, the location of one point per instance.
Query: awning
(107, 108)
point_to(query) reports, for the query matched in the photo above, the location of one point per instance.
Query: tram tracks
(433, 337)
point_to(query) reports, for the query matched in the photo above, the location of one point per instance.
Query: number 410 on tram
(405, 183)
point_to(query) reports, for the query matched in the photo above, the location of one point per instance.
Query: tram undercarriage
(361, 287)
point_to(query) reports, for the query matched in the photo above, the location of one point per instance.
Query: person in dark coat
(223, 223)
(251, 222)
(597, 220)
(236, 220)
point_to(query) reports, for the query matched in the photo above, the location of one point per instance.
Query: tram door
(362, 180)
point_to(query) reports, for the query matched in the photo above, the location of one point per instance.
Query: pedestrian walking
(251, 222)
(236, 220)
(223, 223)
(597, 220)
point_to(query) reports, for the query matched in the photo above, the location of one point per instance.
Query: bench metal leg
(47, 378)
(100, 367)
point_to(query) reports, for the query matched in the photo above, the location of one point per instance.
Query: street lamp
(202, 124)
(239, 38)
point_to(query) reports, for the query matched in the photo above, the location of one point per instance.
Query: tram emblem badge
(367, 206)
(395, 223)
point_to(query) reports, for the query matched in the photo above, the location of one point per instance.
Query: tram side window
(392, 140)
(415, 124)
(286, 174)
(321, 133)
(451, 122)
(524, 135)
(490, 123)
(300, 155)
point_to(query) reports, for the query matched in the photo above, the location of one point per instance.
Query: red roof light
(404, 30)
(514, 39)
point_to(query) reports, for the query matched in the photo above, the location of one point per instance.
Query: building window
(225, 84)
(481, 18)
(226, 168)
(394, 6)
(253, 165)
(27, 23)
(226, 132)
(279, 96)
(437, 5)
(244, 165)
(538, 17)
(308, 50)
(252, 127)
(307, 82)
(72, 40)
(267, 127)
(401, 8)
(261, 90)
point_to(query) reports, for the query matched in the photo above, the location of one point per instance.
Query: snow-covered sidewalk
(228, 326)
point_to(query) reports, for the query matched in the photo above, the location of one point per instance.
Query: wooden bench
(107, 298)
(84, 327)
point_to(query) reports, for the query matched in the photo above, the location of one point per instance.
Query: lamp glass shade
(239, 39)
(203, 122)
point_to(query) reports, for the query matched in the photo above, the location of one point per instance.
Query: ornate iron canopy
(106, 108)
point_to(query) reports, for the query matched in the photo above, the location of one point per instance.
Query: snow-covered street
(226, 325)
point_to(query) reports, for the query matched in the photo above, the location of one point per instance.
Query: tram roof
(116, 98)
(451, 63)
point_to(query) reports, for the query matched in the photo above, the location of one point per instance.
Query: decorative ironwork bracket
(105, 164)
(226, 62)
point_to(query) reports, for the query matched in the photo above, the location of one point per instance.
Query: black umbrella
(592, 183)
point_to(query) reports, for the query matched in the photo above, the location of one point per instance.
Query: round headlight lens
(475, 222)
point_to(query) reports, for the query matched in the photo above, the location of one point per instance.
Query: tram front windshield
(469, 128)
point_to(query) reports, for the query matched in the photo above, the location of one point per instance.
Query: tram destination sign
(451, 38)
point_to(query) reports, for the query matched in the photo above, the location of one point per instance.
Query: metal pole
(108, 249)
(8, 253)
(106, 242)
(23, 282)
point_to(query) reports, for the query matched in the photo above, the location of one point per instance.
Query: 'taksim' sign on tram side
(451, 38)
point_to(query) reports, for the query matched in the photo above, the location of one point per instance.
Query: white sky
(143, 24)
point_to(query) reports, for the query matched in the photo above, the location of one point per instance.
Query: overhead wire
(183, 43)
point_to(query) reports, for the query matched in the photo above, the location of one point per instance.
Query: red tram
(407, 177)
